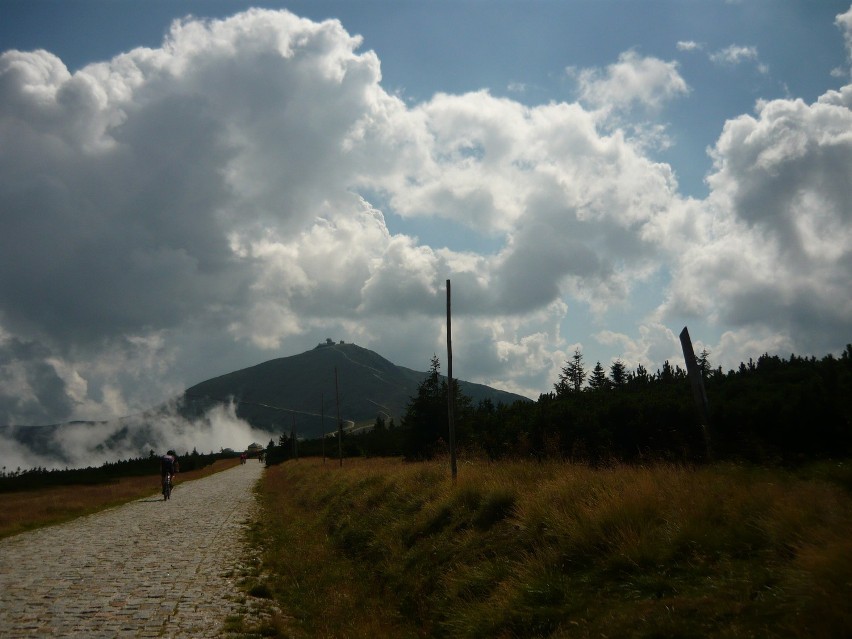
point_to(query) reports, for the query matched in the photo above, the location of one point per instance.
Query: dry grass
(384, 548)
(26, 510)
(322, 590)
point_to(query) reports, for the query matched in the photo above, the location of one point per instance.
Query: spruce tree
(572, 376)
(598, 380)
(425, 419)
(703, 361)
(618, 373)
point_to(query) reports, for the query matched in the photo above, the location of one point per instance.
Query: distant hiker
(169, 466)
(242, 458)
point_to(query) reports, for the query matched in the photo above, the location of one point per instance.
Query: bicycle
(167, 486)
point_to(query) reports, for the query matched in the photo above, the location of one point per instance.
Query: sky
(188, 188)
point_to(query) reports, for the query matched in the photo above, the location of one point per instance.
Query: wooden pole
(293, 435)
(339, 423)
(698, 392)
(322, 416)
(450, 393)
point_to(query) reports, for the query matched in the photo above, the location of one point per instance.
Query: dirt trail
(146, 569)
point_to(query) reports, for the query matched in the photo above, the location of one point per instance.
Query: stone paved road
(146, 569)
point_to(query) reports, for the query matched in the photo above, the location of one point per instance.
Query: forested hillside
(767, 411)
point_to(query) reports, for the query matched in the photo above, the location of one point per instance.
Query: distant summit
(328, 342)
(301, 388)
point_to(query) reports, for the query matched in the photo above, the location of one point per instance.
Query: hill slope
(301, 388)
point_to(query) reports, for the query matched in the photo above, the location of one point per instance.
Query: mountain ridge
(302, 388)
(293, 393)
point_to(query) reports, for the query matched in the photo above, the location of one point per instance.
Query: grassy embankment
(25, 510)
(380, 548)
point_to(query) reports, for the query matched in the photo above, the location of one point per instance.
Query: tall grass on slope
(383, 548)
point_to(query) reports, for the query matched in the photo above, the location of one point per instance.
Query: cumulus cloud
(654, 344)
(130, 186)
(231, 190)
(31, 390)
(734, 54)
(17, 456)
(39, 386)
(633, 80)
(777, 255)
(844, 23)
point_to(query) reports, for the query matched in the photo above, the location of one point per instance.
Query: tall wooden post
(339, 423)
(698, 392)
(293, 436)
(322, 418)
(450, 393)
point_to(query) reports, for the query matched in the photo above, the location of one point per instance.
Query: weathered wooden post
(698, 392)
(322, 418)
(339, 423)
(450, 393)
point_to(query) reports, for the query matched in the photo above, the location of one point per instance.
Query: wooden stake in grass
(450, 393)
(293, 436)
(339, 423)
(698, 392)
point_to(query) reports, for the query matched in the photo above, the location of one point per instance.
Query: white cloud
(14, 455)
(776, 257)
(756, 341)
(565, 196)
(633, 80)
(655, 344)
(519, 354)
(82, 444)
(688, 45)
(146, 171)
(221, 193)
(844, 23)
(734, 54)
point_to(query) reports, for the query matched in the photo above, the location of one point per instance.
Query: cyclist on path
(169, 466)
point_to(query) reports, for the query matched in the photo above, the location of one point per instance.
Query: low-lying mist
(82, 444)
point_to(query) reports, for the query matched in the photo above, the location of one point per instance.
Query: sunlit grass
(384, 548)
(25, 510)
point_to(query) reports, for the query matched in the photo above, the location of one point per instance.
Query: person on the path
(169, 466)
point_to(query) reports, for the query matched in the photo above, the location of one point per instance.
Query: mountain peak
(305, 389)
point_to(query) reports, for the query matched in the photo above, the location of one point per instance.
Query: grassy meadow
(25, 510)
(382, 548)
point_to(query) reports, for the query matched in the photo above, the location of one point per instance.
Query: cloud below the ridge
(82, 444)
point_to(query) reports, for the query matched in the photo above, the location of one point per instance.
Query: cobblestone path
(146, 569)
